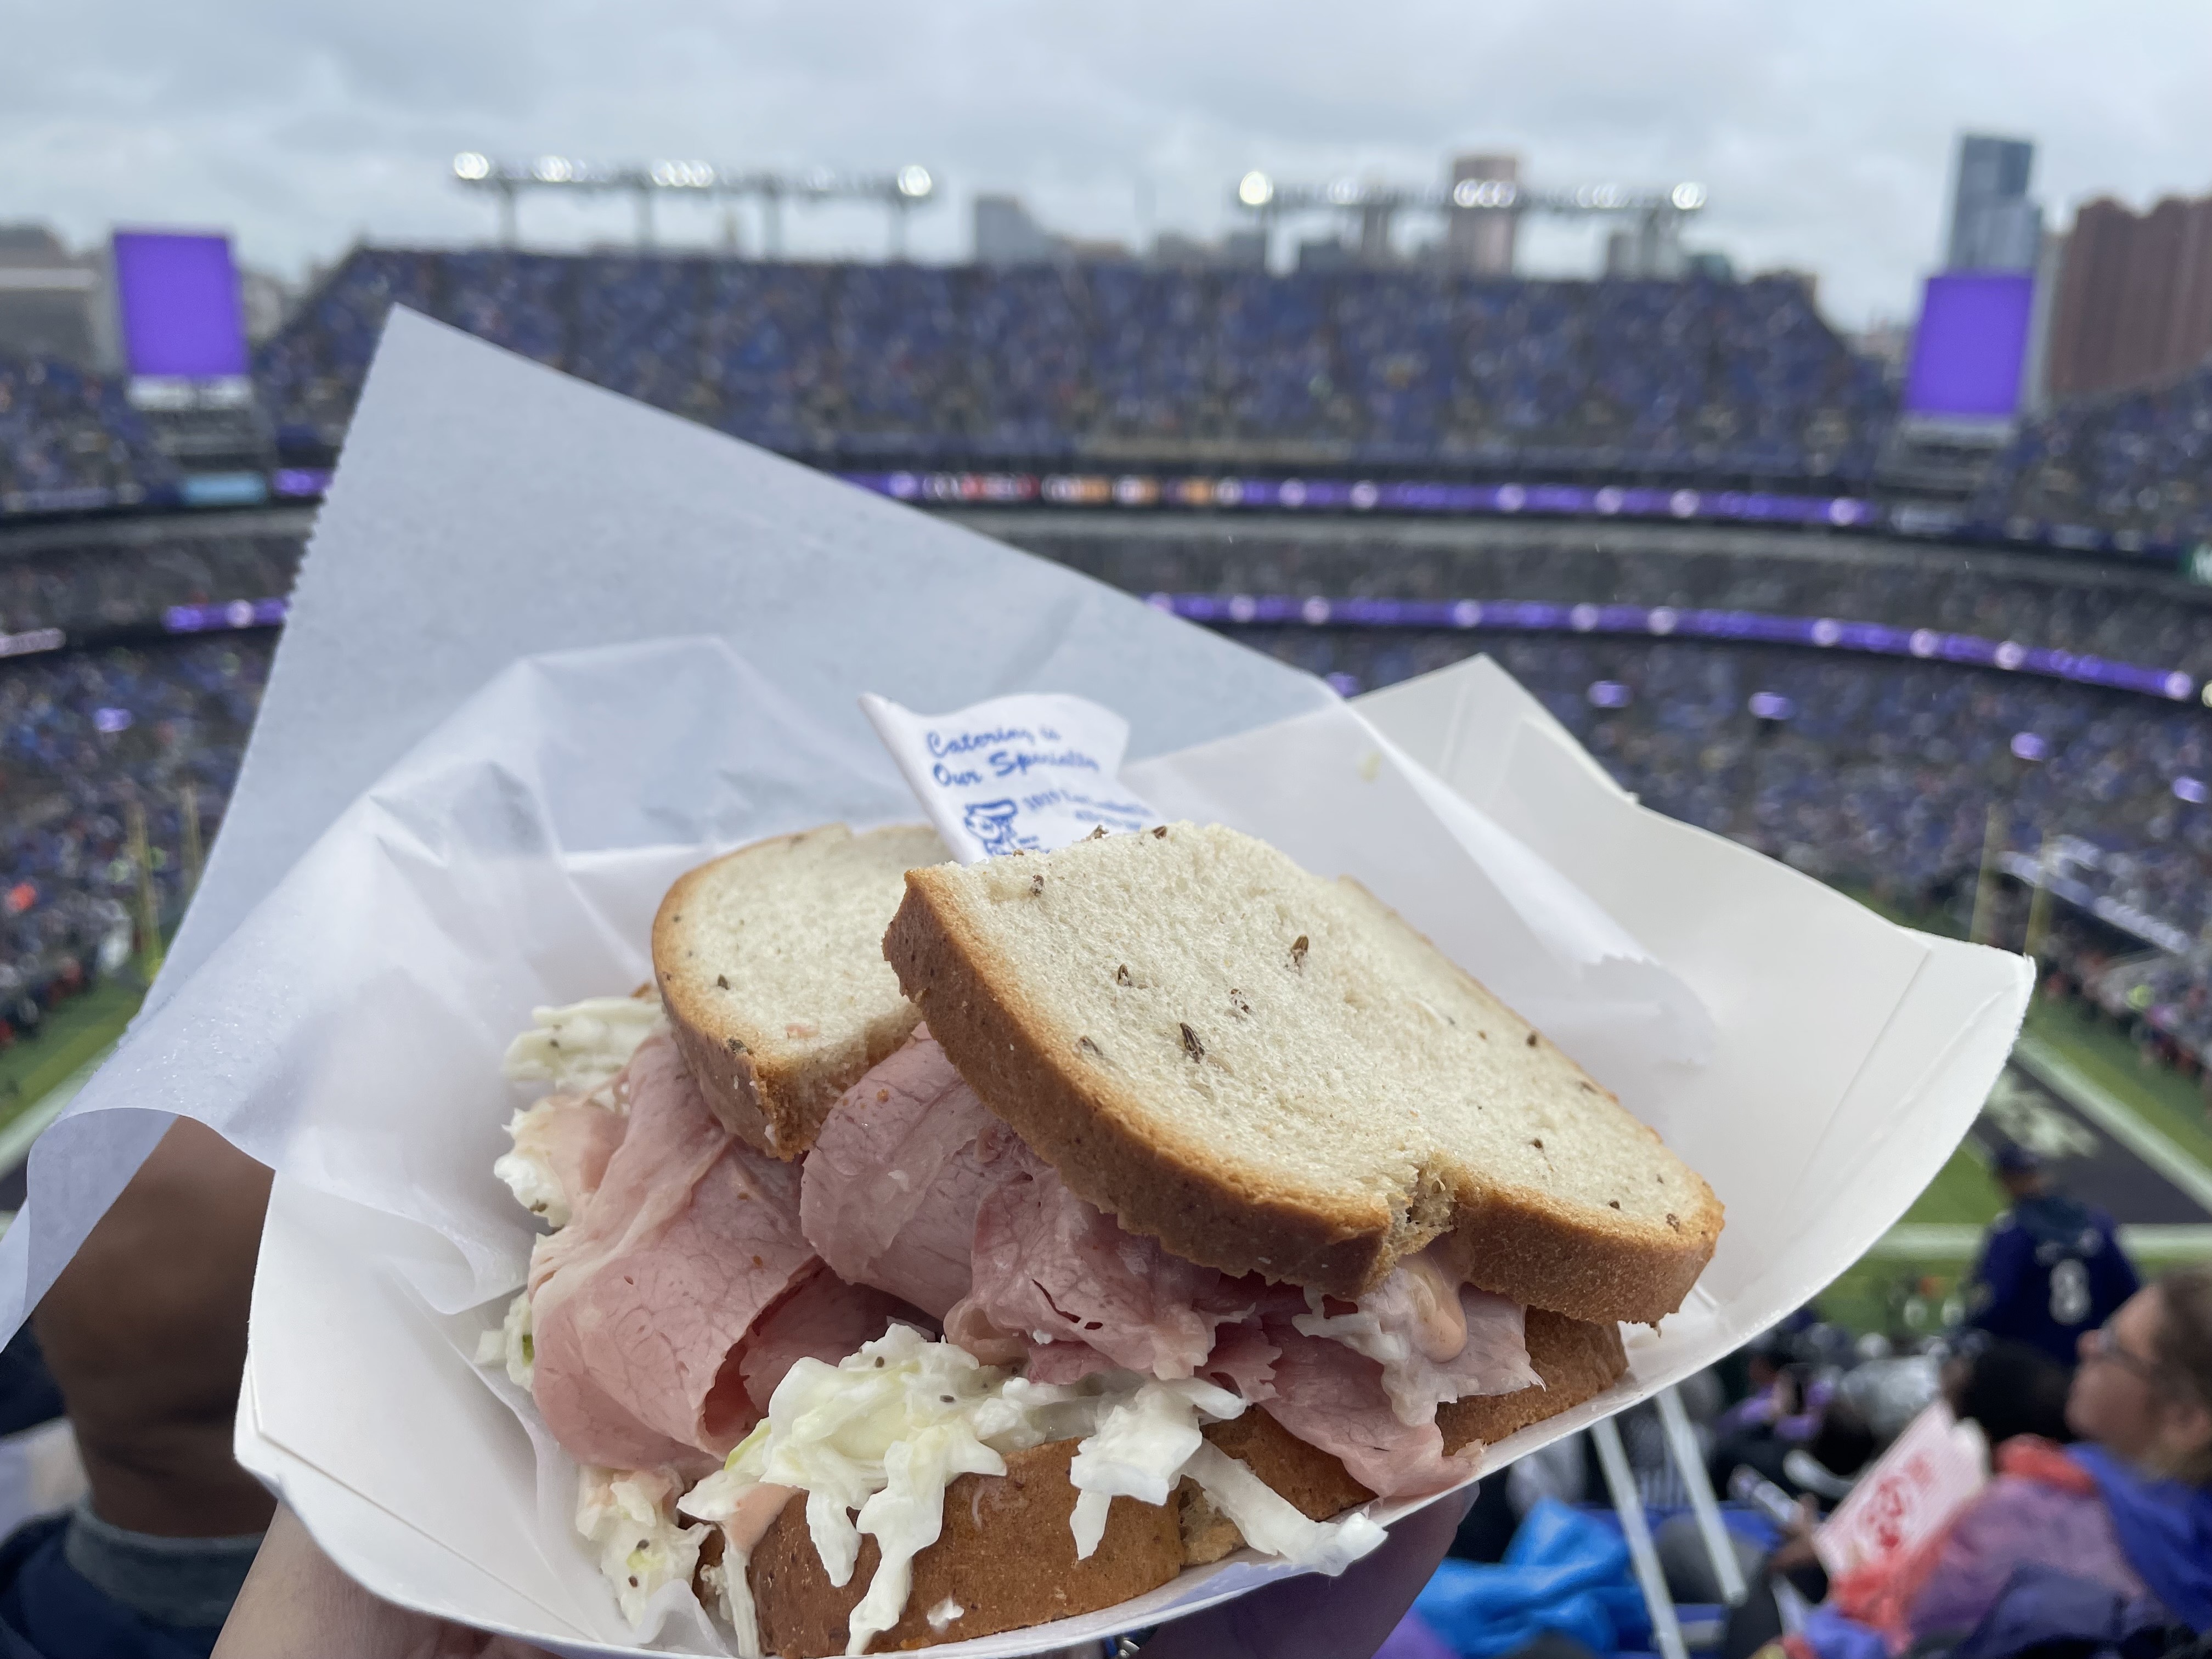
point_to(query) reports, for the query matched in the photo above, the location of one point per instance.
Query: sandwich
(1169, 1201)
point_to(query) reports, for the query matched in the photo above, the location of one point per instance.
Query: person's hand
(297, 1605)
(1796, 1550)
(1347, 1617)
(144, 1332)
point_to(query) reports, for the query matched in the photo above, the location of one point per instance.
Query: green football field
(79, 1031)
(1902, 1288)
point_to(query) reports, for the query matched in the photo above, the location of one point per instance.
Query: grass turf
(1903, 1295)
(72, 1035)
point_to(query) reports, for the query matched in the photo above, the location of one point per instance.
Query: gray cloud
(1823, 133)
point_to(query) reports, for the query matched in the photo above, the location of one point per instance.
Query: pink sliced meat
(1064, 1362)
(574, 1138)
(1440, 1341)
(1243, 1361)
(1332, 1398)
(891, 1189)
(640, 1303)
(1049, 1265)
(823, 1318)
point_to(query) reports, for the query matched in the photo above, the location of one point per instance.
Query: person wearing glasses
(2105, 1539)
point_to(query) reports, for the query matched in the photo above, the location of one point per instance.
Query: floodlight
(1256, 189)
(553, 169)
(1483, 193)
(1344, 191)
(1688, 198)
(915, 182)
(470, 164)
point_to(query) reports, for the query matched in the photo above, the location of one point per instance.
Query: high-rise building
(49, 298)
(2134, 304)
(1994, 226)
(1006, 234)
(1479, 239)
(1652, 247)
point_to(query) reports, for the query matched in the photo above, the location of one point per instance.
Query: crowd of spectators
(889, 361)
(869, 363)
(2073, 606)
(1882, 771)
(95, 583)
(2137, 463)
(1865, 772)
(83, 737)
(69, 438)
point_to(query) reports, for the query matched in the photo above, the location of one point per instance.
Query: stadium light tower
(1659, 213)
(901, 192)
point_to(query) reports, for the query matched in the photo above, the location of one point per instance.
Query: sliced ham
(1332, 1398)
(1436, 1339)
(561, 1146)
(1243, 1361)
(823, 1318)
(1049, 1265)
(1062, 1362)
(642, 1306)
(890, 1189)
(1330, 1385)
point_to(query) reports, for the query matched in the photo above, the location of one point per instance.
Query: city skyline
(1825, 143)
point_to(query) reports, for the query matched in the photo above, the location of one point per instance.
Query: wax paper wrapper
(496, 730)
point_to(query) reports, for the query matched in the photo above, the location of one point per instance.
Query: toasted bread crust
(775, 1106)
(1315, 1481)
(1006, 1555)
(1538, 1251)
(1578, 1359)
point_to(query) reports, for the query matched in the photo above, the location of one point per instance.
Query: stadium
(1661, 503)
(1958, 667)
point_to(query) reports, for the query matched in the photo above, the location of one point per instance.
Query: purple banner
(177, 295)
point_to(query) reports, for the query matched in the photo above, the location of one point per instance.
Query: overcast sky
(1823, 132)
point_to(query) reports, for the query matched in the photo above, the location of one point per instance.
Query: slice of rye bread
(1271, 1072)
(1007, 1558)
(769, 961)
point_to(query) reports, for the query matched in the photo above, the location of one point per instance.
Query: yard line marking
(2098, 1104)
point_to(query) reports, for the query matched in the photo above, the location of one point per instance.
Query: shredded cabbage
(527, 1171)
(1271, 1523)
(873, 1441)
(582, 1047)
(1139, 1451)
(510, 1345)
(631, 1518)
